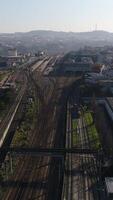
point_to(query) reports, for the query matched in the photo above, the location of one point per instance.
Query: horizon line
(55, 31)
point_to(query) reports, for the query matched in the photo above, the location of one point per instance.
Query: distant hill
(55, 42)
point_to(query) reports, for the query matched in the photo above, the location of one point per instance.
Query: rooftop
(109, 184)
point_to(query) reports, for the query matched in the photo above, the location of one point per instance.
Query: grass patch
(88, 118)
(92, 131)
(3, 75)
(21, 136)
(6, 98)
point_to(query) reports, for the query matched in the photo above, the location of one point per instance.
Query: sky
(58, 15)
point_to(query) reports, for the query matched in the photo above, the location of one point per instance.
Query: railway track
(6, 123)
(31, 170)
(32, 175)
(37, 174)
(82, 169)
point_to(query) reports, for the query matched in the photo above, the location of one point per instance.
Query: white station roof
(109, 184)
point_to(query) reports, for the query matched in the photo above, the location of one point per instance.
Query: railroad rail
(82, 172)
(32, 169)
(7, 122)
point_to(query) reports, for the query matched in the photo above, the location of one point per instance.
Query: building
(109, 187)
(3, 62)
(78, 67)
(12, 52)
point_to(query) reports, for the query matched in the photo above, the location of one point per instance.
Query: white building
(12, 52)
(109, 187)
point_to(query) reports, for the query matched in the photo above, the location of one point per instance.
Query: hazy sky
(61, 15)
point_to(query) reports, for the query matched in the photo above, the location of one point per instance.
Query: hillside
(55, 42)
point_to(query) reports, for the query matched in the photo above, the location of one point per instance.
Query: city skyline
(69, 16)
